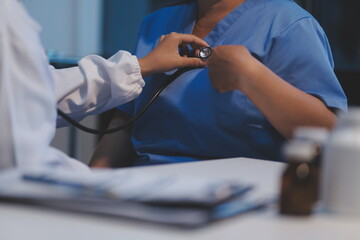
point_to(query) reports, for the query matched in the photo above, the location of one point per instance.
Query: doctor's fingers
(181, 39)
(192, 62)
(162, 38)
(194, 41)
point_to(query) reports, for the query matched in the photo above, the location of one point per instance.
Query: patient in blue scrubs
(271, 72)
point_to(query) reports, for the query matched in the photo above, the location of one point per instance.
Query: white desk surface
(22, 222)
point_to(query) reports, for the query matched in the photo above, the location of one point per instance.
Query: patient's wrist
(250, 71)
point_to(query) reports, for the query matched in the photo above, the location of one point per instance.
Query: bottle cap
(299, 151)
(352, 117)
(317, 135)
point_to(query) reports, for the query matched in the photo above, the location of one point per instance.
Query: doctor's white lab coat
(30, 91)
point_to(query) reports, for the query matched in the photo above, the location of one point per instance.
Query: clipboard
(169, 201)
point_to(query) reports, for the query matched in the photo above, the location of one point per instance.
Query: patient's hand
(230, 67)
(285, 106)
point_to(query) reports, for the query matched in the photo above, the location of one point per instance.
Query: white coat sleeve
(97, 85)
(27, 96)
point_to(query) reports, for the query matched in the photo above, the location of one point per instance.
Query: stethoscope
(203, 54)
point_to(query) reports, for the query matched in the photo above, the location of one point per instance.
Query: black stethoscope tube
(169, 80)
(203, 54)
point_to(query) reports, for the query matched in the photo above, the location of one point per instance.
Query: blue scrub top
(192, 121)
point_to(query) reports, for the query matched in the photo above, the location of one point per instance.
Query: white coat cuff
(131, 74)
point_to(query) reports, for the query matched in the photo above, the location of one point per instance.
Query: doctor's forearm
(97, 84)
(285, 106)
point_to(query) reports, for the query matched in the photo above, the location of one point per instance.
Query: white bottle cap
(299, 151)
(317, 135)
(352, 117)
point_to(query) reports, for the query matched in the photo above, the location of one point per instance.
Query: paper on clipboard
(162, 198)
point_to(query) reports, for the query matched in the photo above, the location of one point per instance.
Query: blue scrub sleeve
(301, 55)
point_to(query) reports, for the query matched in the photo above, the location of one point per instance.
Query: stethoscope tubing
(168, 81)
(203, 54)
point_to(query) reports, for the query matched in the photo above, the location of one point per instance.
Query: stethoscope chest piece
(205, 53)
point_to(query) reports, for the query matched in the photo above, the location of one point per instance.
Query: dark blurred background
(341, 22)
(75, 28)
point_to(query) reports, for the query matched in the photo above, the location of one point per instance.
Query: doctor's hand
(231, 67)
(165, 57)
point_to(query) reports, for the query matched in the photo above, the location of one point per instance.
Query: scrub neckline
(223, 25)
